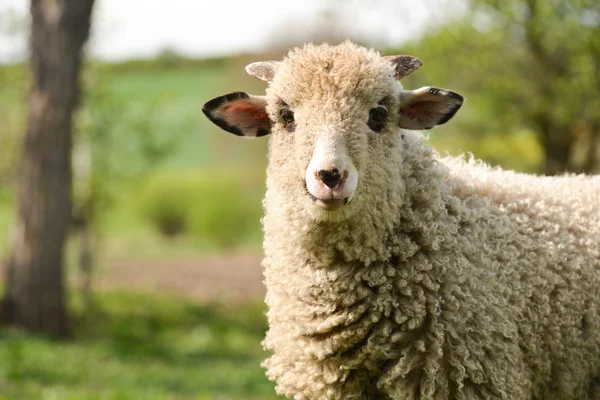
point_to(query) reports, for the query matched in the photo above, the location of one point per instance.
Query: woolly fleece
(443, 278)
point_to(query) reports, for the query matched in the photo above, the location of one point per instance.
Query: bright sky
(140, 28)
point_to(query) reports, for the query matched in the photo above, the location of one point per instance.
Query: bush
(164, 206)
(517, 150)
(222, 208)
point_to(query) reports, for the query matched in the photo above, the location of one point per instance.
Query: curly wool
(454, 281)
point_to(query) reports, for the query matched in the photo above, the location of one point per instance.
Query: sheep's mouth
(329, 204)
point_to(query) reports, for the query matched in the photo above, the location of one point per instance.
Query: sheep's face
(334, 115)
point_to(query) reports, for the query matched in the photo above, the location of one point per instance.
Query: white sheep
(393, 273)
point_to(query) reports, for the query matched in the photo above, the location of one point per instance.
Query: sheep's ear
(427, 107)
(240, 114)
(263, 70)
(403, 65)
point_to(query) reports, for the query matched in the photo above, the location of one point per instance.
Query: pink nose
(331, 178)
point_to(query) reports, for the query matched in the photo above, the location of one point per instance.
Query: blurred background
(158, 294)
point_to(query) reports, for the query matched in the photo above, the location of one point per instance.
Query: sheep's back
(541, 239)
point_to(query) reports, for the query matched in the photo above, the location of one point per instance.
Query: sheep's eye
(288, 118)
(377, 118)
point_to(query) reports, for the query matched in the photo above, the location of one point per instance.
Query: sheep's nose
(330, 178)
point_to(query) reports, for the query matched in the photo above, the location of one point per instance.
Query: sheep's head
(334, 114)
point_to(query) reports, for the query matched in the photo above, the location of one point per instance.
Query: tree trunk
(592, 156)
(557, 157)
(35, 290)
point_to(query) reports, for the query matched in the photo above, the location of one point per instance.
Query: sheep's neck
(333, 307)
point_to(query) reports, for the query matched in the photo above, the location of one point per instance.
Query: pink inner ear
(420, 106)
(427, 107)
(410, 110)
(241, 109)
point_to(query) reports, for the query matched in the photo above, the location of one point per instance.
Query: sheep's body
(438, 278)
(489, 287)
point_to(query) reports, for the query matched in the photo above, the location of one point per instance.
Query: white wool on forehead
(315, 72)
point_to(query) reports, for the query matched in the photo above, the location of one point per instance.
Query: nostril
(330, 178)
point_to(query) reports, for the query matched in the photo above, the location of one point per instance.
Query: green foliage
(524, 65)
(518, 150)
(222, 208)
(478, 65)
(142, 347)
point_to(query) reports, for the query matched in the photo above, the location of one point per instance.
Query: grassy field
(141, 347)
(173, 99)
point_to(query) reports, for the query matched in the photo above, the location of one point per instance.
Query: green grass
(139, 347)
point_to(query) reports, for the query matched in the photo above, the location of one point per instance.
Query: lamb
(394, 273)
